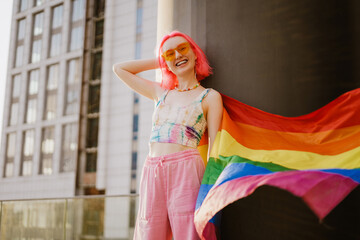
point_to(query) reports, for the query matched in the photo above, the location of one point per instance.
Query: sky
(5, 24)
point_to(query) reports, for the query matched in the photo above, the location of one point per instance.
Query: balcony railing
(78, 218)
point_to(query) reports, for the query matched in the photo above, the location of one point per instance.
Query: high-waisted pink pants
(169, 187)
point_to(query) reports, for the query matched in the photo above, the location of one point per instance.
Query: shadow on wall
(284, 57)
(272, 213)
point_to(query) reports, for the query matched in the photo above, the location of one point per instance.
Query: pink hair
(202, 67)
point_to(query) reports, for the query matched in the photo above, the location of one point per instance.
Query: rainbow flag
(315, 157)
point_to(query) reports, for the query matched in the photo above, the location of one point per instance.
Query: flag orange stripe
(330, 142)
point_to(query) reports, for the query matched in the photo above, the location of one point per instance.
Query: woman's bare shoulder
(213, 99)
(213, 96)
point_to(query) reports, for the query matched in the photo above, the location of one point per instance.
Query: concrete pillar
(284, 57)
(187, 16)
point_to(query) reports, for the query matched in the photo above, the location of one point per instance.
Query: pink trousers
(169, 187)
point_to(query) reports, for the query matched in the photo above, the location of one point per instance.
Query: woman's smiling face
(181, 63)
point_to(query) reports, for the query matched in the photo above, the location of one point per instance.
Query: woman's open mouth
(182, 62)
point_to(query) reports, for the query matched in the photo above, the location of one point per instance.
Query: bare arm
(127, 71)
(214, 106)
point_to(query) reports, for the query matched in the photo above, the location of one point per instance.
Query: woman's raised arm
(127, 71)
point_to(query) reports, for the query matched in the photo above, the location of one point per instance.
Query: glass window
(69, 147)
(57, 17)
(26, 169)
(72, 101)
(28, 152)
(55, 44)
(96, 65)
(99, 31)
(14, 109)
(11, 145)
(47, 146)
(23, 5)
(9, 169)
(39, 2)
(94, 98)
(31, 111)
(133, 186)
(73, 87)
(77, 31)
(47, 151)
(32, 96)
(21, 29)
(99, 27)
(135, 137)
(36, 39)
(78, 10)
(50, 106)
(16, 86)
(99, 8)
(133, 160)
(10, 155)
(36, 51)
(46, 165)
(135, 122)
(91, 159)
(57, 21)
(92, 132)
(139, 15)
(14, 112)
(34, 82)
(51, 92)
(29, 136)
(53, 77)
(138, 50)
(73, 71)
(38, 24)
(19, 55)
(77, 38)
(20, 43)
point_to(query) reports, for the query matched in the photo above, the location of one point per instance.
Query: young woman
(184, 109)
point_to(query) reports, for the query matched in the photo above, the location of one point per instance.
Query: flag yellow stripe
(226, 145)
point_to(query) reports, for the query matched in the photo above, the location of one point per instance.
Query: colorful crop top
(183, 125)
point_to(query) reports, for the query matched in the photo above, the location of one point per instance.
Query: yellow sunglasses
(182, 48)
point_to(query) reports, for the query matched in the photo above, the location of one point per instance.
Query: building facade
(70, 126)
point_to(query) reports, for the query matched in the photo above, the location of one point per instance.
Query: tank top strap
(162, 98)
(202, 95)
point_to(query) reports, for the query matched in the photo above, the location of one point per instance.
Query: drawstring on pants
(157, 165)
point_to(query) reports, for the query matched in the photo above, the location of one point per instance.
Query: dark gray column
(284, 57)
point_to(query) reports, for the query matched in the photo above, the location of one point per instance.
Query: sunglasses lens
(182, 48)
(169, 55)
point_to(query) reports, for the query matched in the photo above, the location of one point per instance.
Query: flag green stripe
(217, 165)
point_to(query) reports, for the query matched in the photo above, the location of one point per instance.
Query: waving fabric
(315, 157)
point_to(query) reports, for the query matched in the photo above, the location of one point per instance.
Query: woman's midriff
(158, 149)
